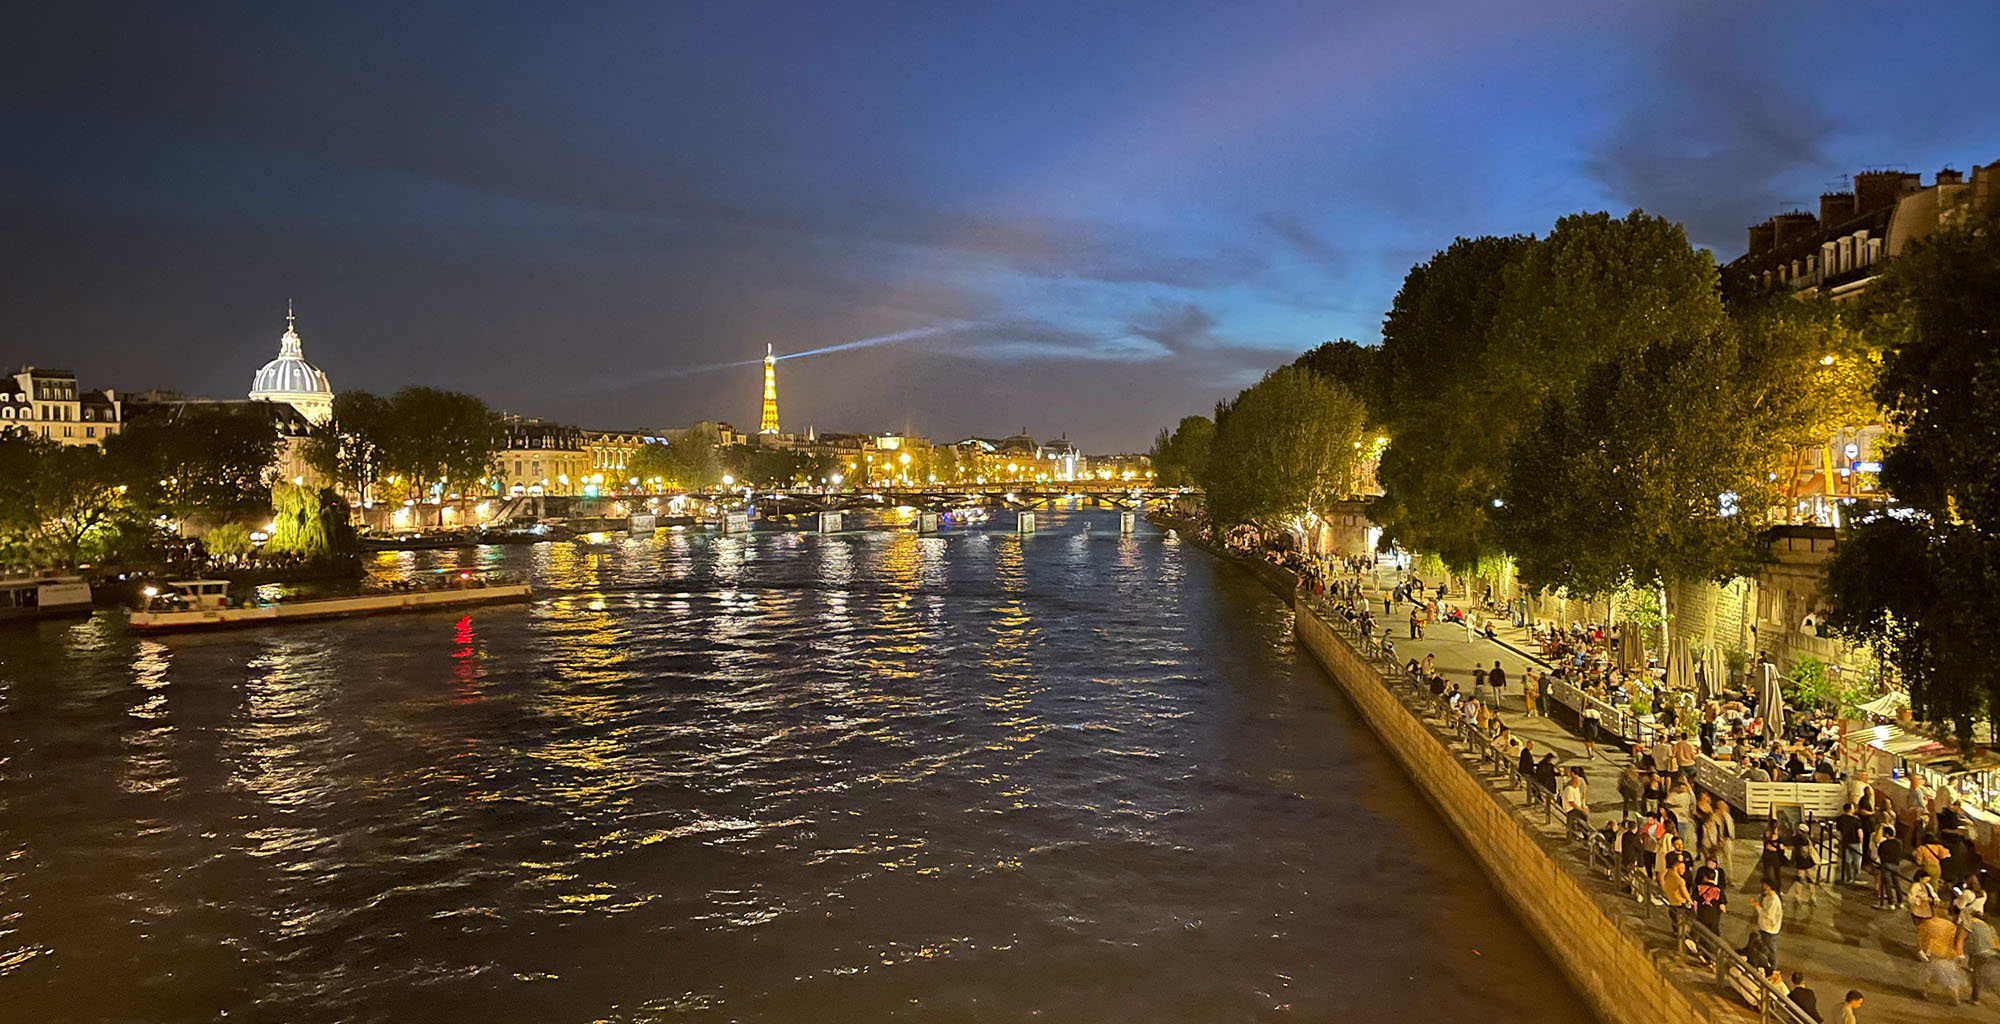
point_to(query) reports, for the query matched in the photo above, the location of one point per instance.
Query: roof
(290, 374)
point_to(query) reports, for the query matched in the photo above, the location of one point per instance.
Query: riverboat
(43, 597)
(420, 541)
(205, 604)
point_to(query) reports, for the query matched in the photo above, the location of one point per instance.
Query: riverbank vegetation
(1600, 411)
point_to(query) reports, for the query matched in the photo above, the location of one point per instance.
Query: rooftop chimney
(1792, 226)
(1949, 177)
(1879, 190)
(1836, 208)
(1761, 237)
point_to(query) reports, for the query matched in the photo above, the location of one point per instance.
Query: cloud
(1177, 330)
(1304, 241)
(1717, 137)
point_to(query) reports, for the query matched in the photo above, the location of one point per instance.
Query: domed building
(292, 380)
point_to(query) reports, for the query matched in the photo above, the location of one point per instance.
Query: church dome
(289, 378)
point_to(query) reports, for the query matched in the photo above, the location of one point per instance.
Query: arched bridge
(941, 497)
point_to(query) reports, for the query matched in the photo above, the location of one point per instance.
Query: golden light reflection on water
(858, 775)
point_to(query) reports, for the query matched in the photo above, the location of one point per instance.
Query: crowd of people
(1672, 838)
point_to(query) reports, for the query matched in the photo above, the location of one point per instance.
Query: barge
(204, 604)
(43, 597)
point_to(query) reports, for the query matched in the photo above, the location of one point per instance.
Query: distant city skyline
(1065, 218)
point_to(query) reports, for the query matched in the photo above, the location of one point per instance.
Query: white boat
(43, 596)
(204, 604)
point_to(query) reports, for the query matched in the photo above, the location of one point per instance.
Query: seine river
(782, 777)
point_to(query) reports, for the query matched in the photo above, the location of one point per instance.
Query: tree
(229, 541)
(1286, 446)
(439, 441)
(1918, 582)
(62, 504)
(296, 527)
(1491, 330)
(1180, 458)
(688, 462)
(200, 459)
(1355, 366)
(1439, 406)
(1641, 476)
(347, 447)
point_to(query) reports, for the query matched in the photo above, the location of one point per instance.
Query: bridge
(944, 497)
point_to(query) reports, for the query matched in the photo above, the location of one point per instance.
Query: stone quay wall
(1613, 971)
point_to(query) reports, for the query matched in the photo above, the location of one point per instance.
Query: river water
(782, 777)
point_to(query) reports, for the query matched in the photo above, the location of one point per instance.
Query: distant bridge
(941, 497)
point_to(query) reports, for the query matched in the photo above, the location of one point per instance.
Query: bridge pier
(1024, 521)
(1126, 522)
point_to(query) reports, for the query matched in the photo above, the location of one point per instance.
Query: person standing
(1684, 757)
(1497, 679)
(1937, 935)
(1711, 894)
(1680, 800)
(1629, 791)
(1888, 857)
(1590, 719)
(1804, 998)
(1771, 862)
(1770, 921)
(1479, 680)
(1848, 827)
(1680, 906)
(1848, 1006)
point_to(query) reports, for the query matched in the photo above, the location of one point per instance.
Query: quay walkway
(1833, 935)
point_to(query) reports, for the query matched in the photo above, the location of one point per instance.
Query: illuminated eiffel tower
(770, 421)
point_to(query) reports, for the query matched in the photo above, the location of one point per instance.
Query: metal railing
(1688, 936)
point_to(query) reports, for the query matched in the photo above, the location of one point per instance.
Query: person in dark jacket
(1804, 998)
(1545, 773)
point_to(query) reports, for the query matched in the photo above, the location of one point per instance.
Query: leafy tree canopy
(1286, 446)
(1918, 583)
(201, 459)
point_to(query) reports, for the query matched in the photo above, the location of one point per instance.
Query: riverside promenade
(1833, 936)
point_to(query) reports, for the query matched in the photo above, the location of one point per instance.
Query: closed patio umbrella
(1771, 701)
(1680, 666)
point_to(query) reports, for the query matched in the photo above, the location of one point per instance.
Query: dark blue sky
(1123, 211)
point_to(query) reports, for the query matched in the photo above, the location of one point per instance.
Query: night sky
(1112, 214)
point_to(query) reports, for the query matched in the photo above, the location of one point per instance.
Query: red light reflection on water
(466, 669)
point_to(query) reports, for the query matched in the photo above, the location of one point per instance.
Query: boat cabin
(201, 595)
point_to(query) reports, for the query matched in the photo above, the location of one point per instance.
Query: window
(90, 431)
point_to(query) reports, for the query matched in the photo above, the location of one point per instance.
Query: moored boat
(205, 604)
(43, 597)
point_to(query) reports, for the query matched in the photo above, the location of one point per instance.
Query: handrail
(1732, 971)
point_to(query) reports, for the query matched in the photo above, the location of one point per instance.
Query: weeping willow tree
(298, 526)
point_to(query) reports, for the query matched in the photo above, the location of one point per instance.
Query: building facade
(543, 458)
(49, 405)
(1836, 252)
